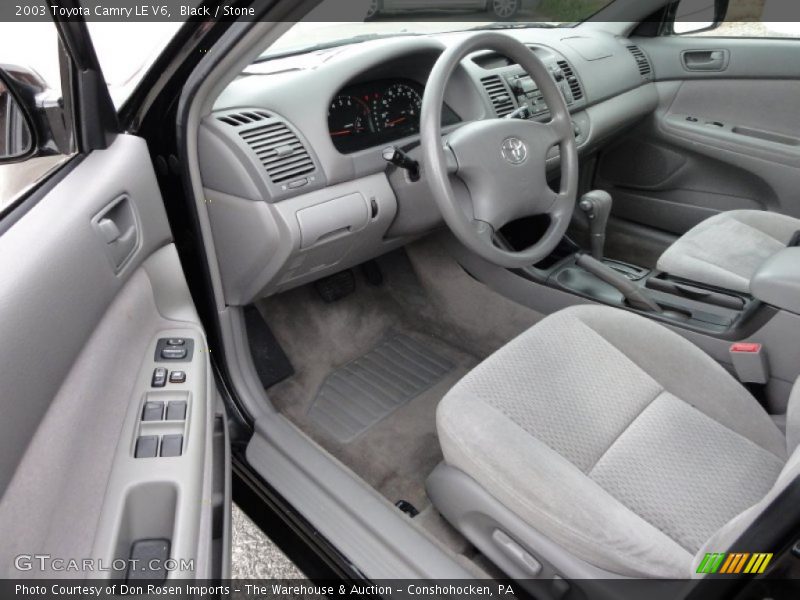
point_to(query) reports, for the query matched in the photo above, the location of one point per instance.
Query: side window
(143, 42)
(744, 18)
(35, 133)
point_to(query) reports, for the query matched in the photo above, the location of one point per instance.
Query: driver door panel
(81, 319)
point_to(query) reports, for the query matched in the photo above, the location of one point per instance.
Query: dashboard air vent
(572, 80)
(645, 68)
(280, 151)
(244, 118)
(499, 95)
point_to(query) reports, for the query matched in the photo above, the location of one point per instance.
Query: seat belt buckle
(750, 362)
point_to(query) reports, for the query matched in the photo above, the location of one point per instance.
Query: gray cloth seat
(727, 249)
(616, 439)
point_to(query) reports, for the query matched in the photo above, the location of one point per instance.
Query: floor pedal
(407, 507)
(372, 273)
(336, 286)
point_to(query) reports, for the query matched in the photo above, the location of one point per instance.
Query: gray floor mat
(361, 393)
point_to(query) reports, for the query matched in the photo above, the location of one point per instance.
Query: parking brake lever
(634, 295)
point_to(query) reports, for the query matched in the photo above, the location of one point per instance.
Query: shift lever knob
(597, 206)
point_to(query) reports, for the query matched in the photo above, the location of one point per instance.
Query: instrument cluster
(380, 112)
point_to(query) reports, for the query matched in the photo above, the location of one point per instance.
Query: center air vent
(572, 80)
(499, 95)
(280, 151)
(645, 68)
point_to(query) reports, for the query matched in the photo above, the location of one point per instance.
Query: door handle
(705, 60)
(109, 230)
(118, 227)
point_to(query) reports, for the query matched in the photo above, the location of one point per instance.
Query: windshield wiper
(515, 25)
(358, 39)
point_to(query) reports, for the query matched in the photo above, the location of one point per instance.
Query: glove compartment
(332, 220)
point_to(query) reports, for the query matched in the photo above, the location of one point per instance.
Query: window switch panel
(171, 445)
(176, 411)
(153, 411)
(146, 446)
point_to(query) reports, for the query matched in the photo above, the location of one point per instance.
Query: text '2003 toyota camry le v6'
(430, 297)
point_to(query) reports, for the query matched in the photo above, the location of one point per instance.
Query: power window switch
(159, 378)
(176, 411)
(176, 342)
(171, 445)
(177, 377)
(146, 446)
(173, 353)
(153, 411)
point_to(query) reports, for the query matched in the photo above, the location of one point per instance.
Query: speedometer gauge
(349, 116)
(397, 108)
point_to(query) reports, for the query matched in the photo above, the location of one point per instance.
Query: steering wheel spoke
(451, 162)
(484, 231)
(545, 134)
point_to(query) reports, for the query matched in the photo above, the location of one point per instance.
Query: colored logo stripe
(758, 563)
(734, 563)
(711, 562)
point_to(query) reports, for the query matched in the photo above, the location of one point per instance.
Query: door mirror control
(173, 353)
(174, 350)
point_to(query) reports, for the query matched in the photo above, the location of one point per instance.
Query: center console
(690, 305)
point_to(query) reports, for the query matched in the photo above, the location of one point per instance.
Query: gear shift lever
(597, 206)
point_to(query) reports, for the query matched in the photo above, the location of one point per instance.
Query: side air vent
(280, 151)
(499, 95)
(572, 80)
(244, 118)
(645, 68)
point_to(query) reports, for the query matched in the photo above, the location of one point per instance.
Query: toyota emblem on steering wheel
(514, 150)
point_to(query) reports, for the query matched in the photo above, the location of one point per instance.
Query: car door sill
(377, 538)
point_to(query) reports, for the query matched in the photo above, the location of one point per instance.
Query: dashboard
(378, 112)
(291, 155)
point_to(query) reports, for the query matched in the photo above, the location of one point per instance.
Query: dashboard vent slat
(499, 95)
(244, 117)
(642, 62)
(280, 151)
(572, 80)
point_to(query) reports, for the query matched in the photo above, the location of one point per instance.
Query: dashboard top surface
(329, 96)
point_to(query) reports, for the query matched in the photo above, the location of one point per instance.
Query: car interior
(517, 302)
(373, 267)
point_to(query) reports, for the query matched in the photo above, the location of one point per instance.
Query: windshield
(388, 18)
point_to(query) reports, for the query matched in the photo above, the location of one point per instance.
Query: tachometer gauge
(398, 108)
(348, 116)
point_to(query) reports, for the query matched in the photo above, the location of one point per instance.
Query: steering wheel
(502, 162)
